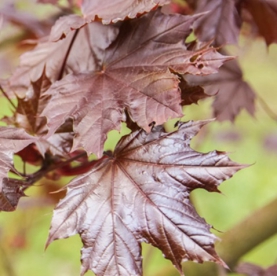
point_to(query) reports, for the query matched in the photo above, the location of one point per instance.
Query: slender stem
(7, 97)
(267, 109)
(67, 54)
(7, 262)
(47, 167)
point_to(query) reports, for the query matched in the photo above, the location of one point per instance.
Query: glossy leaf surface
(140, 193)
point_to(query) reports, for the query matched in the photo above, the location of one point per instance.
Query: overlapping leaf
(27, 116)
(30, 107)
(134, 74)
(113, 11)
(223, 21)
(232, 93)
(141, 194)
(62, 57)
(191, 94)
(264, 13)
(220, 24)
(11, 140)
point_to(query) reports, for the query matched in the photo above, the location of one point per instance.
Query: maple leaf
(11, 140)
(221, 24)
(113, 11)
(232, 93)
(191, 94)
(264, 14)
(140, 193)
(12, 191)
(134, 74)
(58, 58)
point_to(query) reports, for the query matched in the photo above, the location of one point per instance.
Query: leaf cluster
(126, 62)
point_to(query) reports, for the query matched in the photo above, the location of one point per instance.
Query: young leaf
(134, 74)
(113, 11)
(232, 93)
(140, 193)
(221, 24)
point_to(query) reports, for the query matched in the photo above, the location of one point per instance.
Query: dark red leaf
(133, 74)
(27, 116)
(191, 94)
(31, 155)
(112, 11)
(10, 194)
(59, 58)
(264, 13)
(232, 93)
(140, 193)
(221, 23)
(11, 140)
(30, 107)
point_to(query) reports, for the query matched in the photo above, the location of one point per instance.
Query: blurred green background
(23, 233)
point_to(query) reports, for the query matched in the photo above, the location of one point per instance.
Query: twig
(7, 97)
(67, 54)
(239, 240)
(267, 109)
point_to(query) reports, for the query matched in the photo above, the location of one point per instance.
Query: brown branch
(242, 238)
(249, 233)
